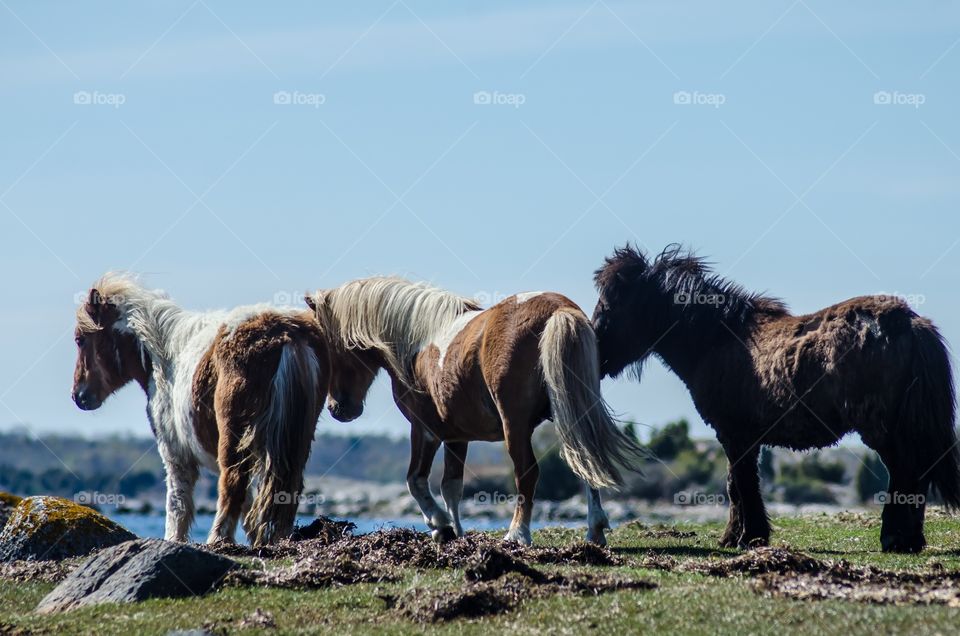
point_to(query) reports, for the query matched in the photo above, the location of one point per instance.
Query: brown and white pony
(759, 374)
(236, 391)
(462, 374)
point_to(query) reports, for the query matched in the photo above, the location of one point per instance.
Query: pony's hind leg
(451, 488)
(423, 447)
(527, 473)
(232, 488)
(904, 505)
(597, 520)
(744, 480)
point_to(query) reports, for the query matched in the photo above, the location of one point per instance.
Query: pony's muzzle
(344, 411)
(86, 400)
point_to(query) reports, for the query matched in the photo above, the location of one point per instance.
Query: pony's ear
(318, 303)
(102, 312)
(94, 306)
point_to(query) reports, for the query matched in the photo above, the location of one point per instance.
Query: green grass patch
(685, 602)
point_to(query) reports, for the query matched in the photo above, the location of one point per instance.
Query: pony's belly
(804, 432)
(471, 424)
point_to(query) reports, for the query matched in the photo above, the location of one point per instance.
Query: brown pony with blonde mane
(761, 375)
(236, 391)
(462, 374)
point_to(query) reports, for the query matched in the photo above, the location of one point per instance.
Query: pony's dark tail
(280, 444)
(928, 414)
(591, 444)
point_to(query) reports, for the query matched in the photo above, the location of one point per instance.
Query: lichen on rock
(7, 503)
(51, 528)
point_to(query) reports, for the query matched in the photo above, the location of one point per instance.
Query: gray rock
(138, 570)
(52, 529)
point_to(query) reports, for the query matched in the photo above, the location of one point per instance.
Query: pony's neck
(394, 317)
(698, 323)
(154, 321)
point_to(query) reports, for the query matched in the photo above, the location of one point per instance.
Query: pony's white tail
(279, 443)
(592, 444)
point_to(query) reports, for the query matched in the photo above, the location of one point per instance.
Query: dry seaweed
(311, 573)
(786, 574)
(498, 583)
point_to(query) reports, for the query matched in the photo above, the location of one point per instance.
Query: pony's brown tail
(928, 414)
(591, 443)
(279, 443)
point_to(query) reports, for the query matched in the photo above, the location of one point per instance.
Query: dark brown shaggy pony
(760, 375)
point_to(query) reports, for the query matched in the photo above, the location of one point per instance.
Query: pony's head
(626, 310)
(352, 367)
(108, 355)
(672, 304)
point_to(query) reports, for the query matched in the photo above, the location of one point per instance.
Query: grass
(684, 602)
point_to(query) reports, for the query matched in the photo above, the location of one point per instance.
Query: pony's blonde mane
(391, 315)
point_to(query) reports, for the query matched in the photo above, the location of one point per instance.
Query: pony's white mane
(391, 315)
(149, 314)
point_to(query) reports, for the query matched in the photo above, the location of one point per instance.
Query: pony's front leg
(734, 529)
(423, 448)
(526, 473)
(451, 488)
(597, 520)
(182, 477)
(744, 479)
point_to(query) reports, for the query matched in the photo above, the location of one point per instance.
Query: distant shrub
(488, 484)
(671, 440)
(767, 472)
(692, 467)
(557, 482)
(801, 490)
(872, 478)
(815, 467)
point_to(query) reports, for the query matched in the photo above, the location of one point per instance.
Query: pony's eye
(80, 340)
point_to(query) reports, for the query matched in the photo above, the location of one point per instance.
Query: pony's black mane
(679, 272)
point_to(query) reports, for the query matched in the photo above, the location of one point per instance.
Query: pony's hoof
(518, 536)
(596, 536)
(444, 534)
(903, 544)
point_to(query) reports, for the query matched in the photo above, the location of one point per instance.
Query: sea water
(151, 526)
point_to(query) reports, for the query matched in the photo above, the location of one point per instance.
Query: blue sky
(809, 149)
